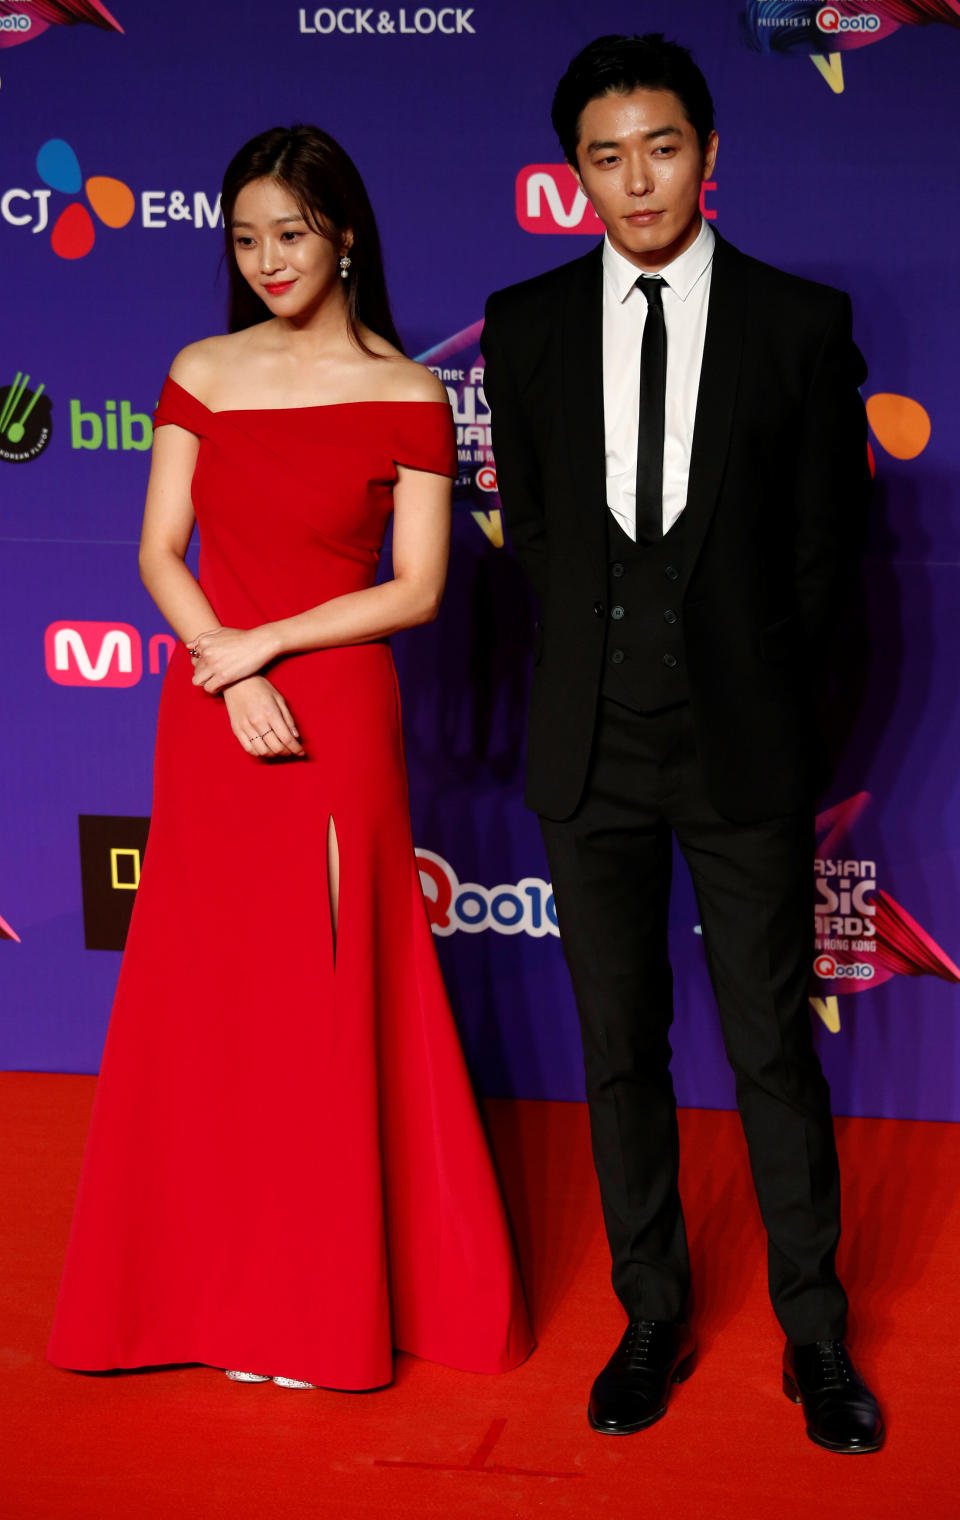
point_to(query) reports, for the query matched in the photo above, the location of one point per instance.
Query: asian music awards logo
(458, 362)
(25, 20)
(863, 936)
(823, 33)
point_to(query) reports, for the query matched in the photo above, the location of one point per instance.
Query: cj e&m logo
(549, 199)
(111, 856)
(25, 420)
(102, 654)
(112, 201)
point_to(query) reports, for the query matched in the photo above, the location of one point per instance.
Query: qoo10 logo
(526, 908)
(831, 20)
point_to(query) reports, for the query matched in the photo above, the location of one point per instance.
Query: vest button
(617, 613)
(617, 657)
(598, 609)
(671, 661)
(669, 616)
(616, 570)
(672, 573)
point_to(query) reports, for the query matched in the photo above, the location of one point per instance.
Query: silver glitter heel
(283, 1382)
(248, 1377)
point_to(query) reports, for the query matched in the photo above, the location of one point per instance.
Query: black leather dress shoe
(842, 1414)
(633, 1388)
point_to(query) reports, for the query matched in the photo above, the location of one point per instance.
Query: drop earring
(345, 266)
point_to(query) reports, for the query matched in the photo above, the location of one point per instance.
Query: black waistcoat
(644, 666)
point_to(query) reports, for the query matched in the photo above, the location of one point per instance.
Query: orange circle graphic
(901, 424)
(111, 199)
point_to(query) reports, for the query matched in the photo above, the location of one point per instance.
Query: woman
(286, 1174)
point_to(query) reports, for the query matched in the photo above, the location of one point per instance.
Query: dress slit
(333, 884)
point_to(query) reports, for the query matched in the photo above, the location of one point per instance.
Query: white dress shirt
(686, 294)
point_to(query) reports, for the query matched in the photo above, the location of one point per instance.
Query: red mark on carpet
(478, 1462)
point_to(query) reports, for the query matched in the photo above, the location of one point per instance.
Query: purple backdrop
(837, 150)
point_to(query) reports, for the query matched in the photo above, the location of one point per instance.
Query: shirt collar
(681, 275)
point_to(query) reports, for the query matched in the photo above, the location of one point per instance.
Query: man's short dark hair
(618, 65)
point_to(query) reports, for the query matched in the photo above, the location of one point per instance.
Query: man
(681, 456)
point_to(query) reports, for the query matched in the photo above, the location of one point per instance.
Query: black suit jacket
(776, 508)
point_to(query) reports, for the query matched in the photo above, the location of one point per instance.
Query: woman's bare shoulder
(201, 366)
(410, 381)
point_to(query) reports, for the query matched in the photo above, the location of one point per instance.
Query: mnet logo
(101, 654)
(549, 199)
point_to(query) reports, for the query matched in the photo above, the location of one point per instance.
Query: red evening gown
(286, 1170)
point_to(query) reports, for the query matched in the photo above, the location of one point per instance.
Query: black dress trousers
(611, 867)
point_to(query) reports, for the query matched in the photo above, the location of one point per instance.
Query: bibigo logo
(26, 420)
(113, 202)
(526, 908)
(101, 654)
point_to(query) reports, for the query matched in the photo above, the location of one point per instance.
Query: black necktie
(653, 393)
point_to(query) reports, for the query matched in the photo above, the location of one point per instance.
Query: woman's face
(292, 268)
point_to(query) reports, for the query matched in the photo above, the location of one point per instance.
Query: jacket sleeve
(833, 475)
(518, 472)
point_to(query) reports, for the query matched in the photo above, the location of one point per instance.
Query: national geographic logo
(111, 858)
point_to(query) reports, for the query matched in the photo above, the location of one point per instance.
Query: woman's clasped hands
(225, 655)
(261, 719)
(226, 660)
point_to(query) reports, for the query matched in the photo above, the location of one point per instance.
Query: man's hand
(226, 655)
(261, 719)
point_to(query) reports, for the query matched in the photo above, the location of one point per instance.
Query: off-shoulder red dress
(286, 1170)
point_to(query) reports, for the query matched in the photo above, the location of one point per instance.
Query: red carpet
(184, 1441)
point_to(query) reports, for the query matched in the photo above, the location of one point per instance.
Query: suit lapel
(582, 388)
(716, 397)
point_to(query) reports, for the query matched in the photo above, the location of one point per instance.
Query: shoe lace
(835, 1364)
(637, 1344)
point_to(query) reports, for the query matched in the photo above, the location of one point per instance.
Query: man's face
(641, 167)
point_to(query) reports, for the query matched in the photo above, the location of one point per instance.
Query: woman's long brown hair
(332, 198)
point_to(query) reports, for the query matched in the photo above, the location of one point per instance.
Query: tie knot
(652, 287)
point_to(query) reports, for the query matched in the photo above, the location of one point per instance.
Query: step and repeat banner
(837, 161)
